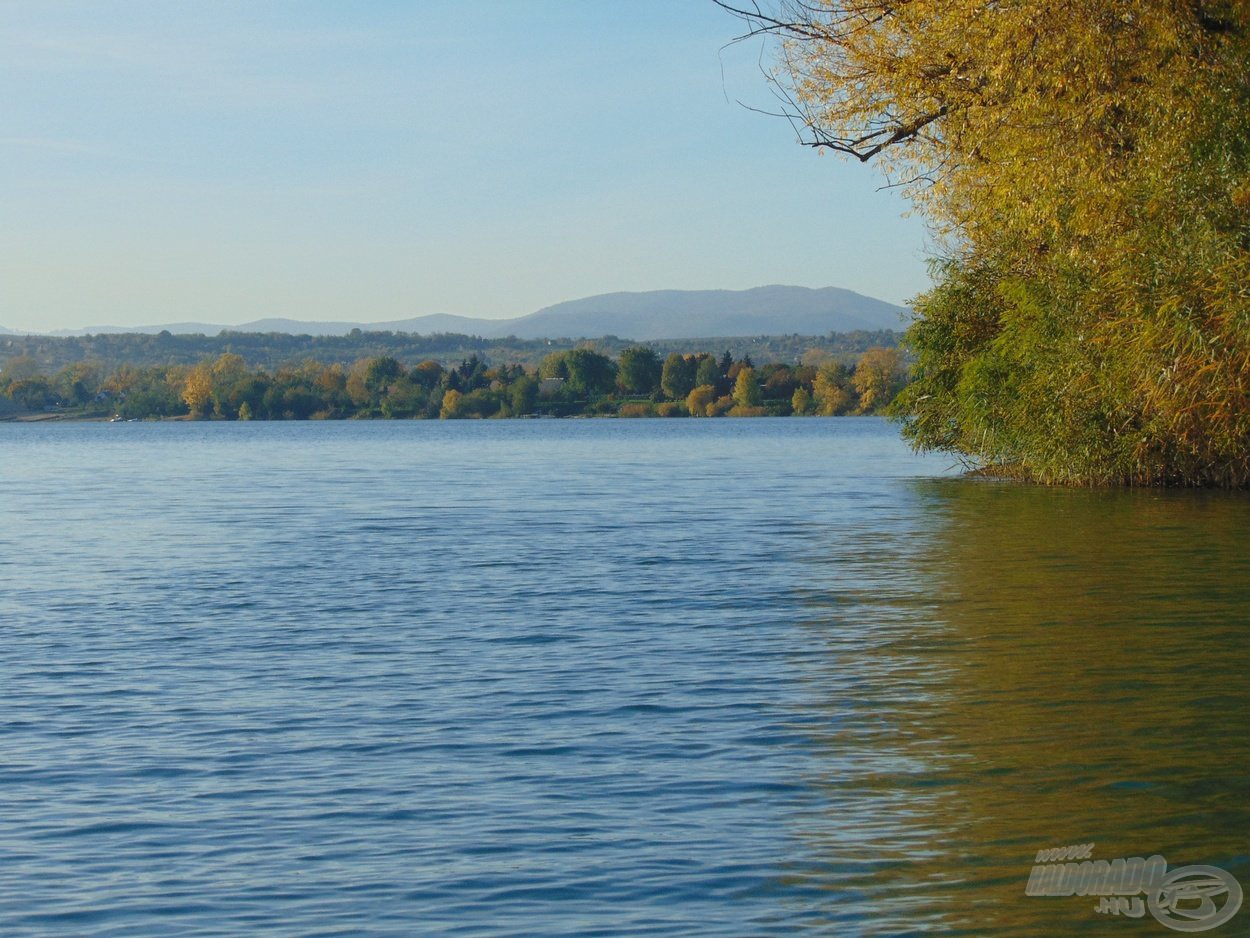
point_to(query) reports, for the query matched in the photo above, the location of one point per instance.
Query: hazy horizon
(317, 162)
(582, 308)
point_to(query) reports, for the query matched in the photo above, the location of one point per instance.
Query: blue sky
(226, 161)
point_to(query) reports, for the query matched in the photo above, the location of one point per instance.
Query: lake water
(726, 677)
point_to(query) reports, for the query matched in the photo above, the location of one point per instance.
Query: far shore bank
(30, 418)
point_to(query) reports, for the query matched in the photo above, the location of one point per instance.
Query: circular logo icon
(1195, 898)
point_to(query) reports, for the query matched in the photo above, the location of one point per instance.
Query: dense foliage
(1086, 167)
(571, 382)
(276, 350)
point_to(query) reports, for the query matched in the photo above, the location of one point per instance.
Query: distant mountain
(681, 314)
(177, 328)
(436, 322)
(657, 314)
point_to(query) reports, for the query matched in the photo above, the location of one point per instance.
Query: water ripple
(593, 678)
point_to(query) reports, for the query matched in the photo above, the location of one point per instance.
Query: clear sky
(224, 161)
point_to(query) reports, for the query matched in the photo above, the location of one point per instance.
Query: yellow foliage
(877, 377)
(700, 399)
(331, 378)
(1085, 169)
(747, 393)
(229, 367)
(671, 409)
(197, 390)
(451, 408)
(830, 397)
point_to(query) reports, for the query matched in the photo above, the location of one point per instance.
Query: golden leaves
(1087, 163)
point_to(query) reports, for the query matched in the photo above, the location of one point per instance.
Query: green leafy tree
(639, 370)
(554, 365)
(707, 372)
(144, 393)
(404, 398)
(478, 403)
(77, 384)
(524, 395)
(677, 376)
(472, 373)
(589, 372)
(380, 372)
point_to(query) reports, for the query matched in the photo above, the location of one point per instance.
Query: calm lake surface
(729, 677)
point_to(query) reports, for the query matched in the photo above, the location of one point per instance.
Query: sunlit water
(732, 677)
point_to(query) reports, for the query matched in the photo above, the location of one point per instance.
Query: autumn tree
(427, 374)
(778, 381)
(878, 377)
(1085, 169)
(197, 391)
(700, 399)
(831, 394)
(747, 389)
(20, 366)
(33, 393)
(452, 406)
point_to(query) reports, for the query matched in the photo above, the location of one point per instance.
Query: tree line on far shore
(566, 383)
(275, 350)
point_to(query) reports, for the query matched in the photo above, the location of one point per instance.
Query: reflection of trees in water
(1029, 668)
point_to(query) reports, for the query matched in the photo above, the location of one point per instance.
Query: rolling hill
(656, 314)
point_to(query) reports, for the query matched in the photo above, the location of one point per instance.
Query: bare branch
(805, 23)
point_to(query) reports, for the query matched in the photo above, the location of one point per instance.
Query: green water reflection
(1035, 668)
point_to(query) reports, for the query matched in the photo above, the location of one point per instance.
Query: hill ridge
(773, 309)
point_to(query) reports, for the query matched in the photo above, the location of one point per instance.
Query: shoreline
(33, 418)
